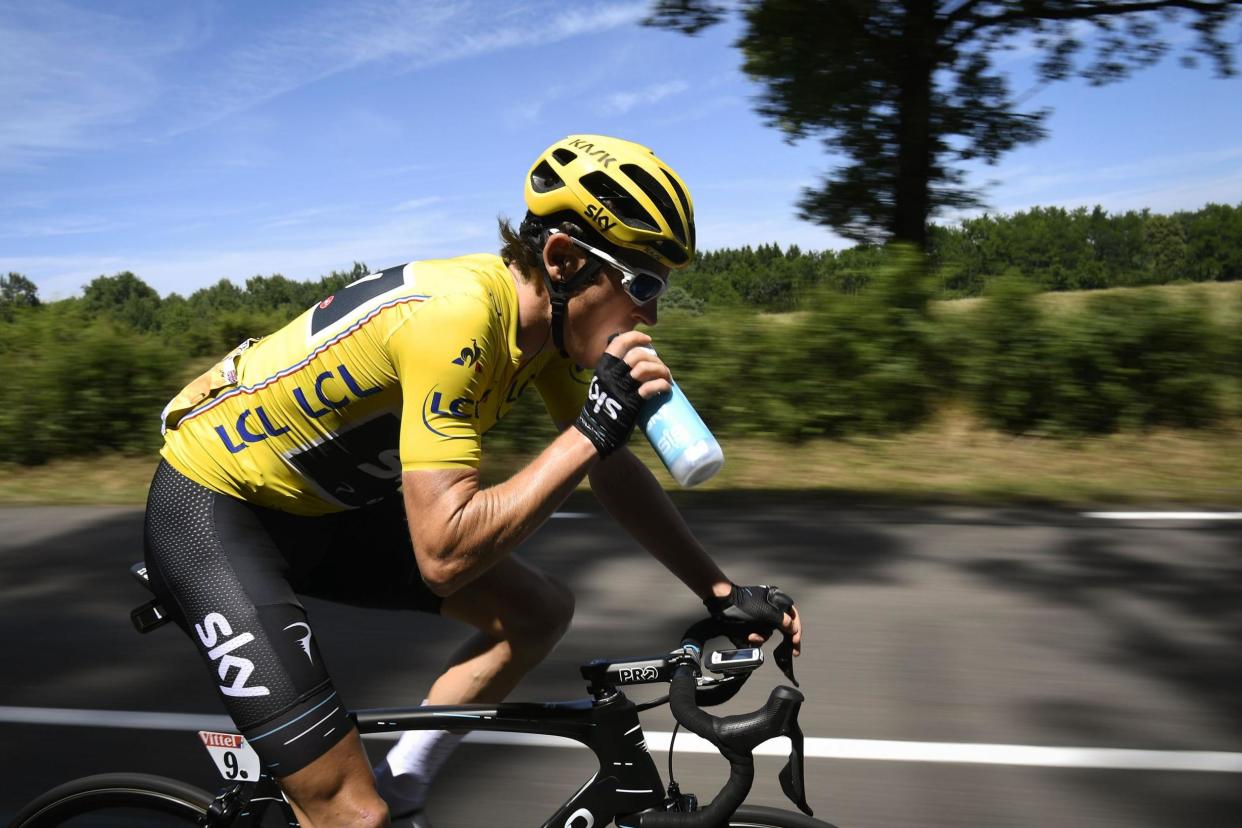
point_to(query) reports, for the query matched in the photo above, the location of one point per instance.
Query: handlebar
(735, 737)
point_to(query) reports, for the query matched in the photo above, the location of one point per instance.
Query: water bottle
(681, 438)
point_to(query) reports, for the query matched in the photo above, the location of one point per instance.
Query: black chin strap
(559, 294)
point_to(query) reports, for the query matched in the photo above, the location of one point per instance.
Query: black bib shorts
(229, 573)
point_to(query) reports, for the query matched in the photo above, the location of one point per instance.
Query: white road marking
(816, 748)
(572, 515)
(1164, 515)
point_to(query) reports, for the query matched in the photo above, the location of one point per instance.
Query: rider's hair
(524, 246)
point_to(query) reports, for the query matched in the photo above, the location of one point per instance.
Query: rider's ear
(561, 259)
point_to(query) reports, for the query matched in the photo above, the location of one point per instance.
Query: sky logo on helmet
(596, 214)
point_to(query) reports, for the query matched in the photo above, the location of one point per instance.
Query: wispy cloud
(1163, 183)
(71, 76)
(1183, 193)
(408, 34)
(59, 226)
(745, 227)
(66, 73)
(416, 204)
(1024, 181)
(300, 217)
(303, 253)
(619, 103)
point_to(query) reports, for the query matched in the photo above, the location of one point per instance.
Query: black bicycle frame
(627, 780)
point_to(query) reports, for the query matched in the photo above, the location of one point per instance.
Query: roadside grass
(107, 479)
(1223, 299)
(957, 459)
(953, 458)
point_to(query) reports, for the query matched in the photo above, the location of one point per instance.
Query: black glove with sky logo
(611, 409)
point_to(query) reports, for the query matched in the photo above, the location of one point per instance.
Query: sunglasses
(642, 285)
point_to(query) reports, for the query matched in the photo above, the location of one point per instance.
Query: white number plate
(236, 760)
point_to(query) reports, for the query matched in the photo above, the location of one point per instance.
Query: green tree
(1165, 246)
(1214, 242)
(16, 291)
(908, 90)
(125, 298)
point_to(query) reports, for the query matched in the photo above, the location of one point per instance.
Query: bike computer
(735, 661)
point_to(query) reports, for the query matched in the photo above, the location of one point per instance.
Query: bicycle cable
(672, 783)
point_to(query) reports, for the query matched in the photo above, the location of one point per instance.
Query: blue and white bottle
(681, 438)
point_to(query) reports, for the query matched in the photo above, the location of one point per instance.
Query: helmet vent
(563, 156)
(685, 203)
(544, 179)
(672, 251)
(659, 195)
(623, 205)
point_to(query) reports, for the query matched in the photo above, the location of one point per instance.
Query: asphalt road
(945, 625)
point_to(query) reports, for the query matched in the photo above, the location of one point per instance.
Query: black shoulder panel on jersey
(346, 300)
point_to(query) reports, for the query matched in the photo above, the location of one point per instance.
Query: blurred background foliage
(781, 345)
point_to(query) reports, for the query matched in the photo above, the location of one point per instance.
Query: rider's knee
(559, 606)
(345, 807)
(545, 616)
(338, 788)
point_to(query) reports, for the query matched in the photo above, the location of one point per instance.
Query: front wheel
(116, 799)
(757, 816)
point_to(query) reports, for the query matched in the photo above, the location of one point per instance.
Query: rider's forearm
(484, 525)
(633, 496)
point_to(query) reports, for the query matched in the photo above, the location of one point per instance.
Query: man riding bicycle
(338, 457)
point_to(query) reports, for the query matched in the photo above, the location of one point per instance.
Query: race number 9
(234, 757)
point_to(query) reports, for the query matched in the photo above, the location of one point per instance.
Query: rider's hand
(762, 604)
(627, 374)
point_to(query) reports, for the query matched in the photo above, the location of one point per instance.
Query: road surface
(930, 630)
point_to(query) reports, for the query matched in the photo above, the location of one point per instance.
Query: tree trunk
(911, 203)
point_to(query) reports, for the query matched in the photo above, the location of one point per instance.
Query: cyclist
(338, 457)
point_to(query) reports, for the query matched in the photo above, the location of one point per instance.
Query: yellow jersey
(402, 370)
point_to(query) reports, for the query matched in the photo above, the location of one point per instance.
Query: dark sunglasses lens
(646, 287)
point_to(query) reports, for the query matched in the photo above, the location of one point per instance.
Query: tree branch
(1098, 10)
(962, 12)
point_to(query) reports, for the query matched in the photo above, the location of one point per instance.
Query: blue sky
(194, 141)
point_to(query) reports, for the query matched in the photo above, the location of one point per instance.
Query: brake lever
(783, 655)
(793, 775)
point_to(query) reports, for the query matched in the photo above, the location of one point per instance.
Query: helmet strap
(559, 294)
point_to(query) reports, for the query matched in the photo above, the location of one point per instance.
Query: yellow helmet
(621, 190)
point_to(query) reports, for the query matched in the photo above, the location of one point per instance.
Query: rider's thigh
(514, 601)
(337, 789)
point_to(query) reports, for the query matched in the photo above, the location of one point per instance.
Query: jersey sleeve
(563, 387)
(443, 354)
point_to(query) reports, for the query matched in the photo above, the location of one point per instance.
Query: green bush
(1122, 361)
(717, 359)
(864, 362)
(1127, 361)
(79, 386)
(848, 363)
(861, 355)
(1007, 373)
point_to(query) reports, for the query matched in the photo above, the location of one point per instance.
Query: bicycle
(627, 787)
